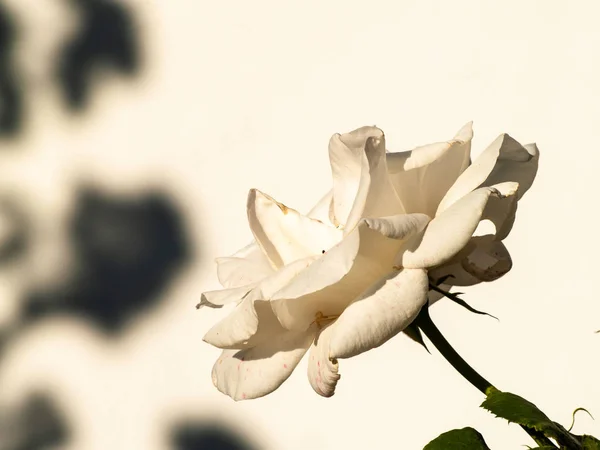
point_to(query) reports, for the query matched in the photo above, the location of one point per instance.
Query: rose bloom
(356, 270)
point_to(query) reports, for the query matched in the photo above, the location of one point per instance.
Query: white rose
(355, 271)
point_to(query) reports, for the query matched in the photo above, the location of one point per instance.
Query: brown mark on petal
(284, 209)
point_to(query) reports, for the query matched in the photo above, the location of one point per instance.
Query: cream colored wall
(246, 94)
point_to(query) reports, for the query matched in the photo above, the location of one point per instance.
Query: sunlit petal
(284, 234)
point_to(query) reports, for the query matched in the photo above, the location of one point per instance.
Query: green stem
(424, 322)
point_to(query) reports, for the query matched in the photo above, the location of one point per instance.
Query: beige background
(247, 95)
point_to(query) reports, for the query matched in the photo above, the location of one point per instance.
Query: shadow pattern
(11, 105)
(36, 425)
(201, 436)
(15, 231)
(106, 40)
(127, 250)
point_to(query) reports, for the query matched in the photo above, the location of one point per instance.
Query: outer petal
(504, 160)
(422, 176)
(380, 313)
(236, 329)
(253, 319)
(330, 283)
(449, 232)
(246, 266)
(501, 210)
(347, 158)
(284, 234)
(488, 261)
(376, 196)
(216, 299)
(322, 369)
(520, 165)
(258, 371)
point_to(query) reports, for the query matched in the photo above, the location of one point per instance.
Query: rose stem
(424, 322)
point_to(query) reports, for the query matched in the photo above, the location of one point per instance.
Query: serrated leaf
(413, 332)
(590, 443)
(460, 439)
(518, 410)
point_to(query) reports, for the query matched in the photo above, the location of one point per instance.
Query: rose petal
(488, 261)
(221, 297)
(246, 266)
(422, 176)
(400, 226)
(258, 371)
(236, 329)
(501, 210)
(519, 165)
(322, 210)
(504, 160)
(330, 283)
(347, 158)
(448, 233)
(247, 323)
(454, 274)
(322, 370)
(380, 313)
(376, 196)
(284, 234)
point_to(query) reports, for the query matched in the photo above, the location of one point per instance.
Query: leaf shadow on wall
(36, 424)
(10, 96)
(127, 250)
(14, 231)
(204, 436)
(106, 40)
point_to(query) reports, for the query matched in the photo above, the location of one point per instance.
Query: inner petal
(422, 176)
(330, 283)
(284, 234)
(347, 158)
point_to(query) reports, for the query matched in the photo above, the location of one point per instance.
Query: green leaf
(518, 410)
(590, 443)
(464, 439)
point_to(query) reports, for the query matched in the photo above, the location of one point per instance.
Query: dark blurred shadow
(36, 425)
(10, 95)
(199, 436)
(127, 250)
(106, 40)
(15, 231)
